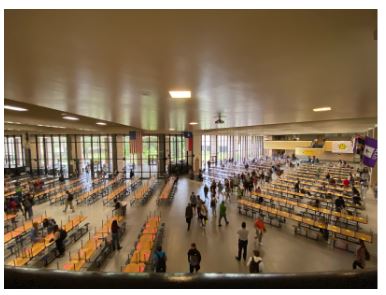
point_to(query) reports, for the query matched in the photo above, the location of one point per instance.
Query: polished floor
(282, 251)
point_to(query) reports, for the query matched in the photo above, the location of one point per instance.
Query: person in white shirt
(255, 263)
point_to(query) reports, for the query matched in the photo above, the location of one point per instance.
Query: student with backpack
(70, 198)
(59, 236)
(255, 263)
(361, 255)
(159, 260)
(203, 214)
(194, 258)
(223, 214)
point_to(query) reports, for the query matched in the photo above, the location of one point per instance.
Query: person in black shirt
(189, 215)
(70, 198)
(115, 235)
(297, 186)
(340, 204)
(356, 196)
(131, 173)
(194, 258)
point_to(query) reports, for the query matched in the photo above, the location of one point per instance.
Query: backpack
(63, 235)
(70, 197)
(194, 260)
(254, 266)
(161, 262)
(212, 203)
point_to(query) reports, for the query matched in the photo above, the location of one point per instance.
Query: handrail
(53, 279)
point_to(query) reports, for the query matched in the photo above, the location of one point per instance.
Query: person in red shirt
(346, 183)
(260, 229)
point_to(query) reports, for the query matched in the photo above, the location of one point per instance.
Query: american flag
(135, 142)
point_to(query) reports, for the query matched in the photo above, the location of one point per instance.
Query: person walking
(198, 207)
(193, 201)
(243, 241)
(260, 229)
(223, 210)
(194, 258)
(203, 214)
(361, 255)
(206, 191)
(70, 198)
(220, 187)
(159, 260)
(255, 263)
(189, 215)
(115, 235)
(27, 204)
(213, 205)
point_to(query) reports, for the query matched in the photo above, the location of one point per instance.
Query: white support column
(196, 152)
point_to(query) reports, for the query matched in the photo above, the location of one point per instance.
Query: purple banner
(370, 153)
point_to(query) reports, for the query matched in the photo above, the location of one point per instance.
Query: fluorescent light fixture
(322, 109)
(70, 118)
(171, 129)
(180, 94)
(193, 123)
(13, 108)
(9, 122)
(101, 123)
(49, 126)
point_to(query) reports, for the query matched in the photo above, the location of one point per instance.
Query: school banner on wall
(342, 147)
(370, 153)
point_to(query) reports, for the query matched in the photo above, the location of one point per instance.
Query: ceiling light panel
(14, 108)
(322, 109)
(180, 94)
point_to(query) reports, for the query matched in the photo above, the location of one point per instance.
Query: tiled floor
(282, 251)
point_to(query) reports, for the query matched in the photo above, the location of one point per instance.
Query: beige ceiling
(256, 67)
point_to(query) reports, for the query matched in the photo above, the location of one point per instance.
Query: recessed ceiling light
(171, 129)
(180, 94)
(322, 109)
(70, 118)
(193, 123)
(101, 123)
(13, 108)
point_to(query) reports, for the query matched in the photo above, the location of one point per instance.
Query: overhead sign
(342, 147)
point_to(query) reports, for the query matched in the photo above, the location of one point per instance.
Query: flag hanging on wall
(189, 140)
(370, 153)
(344, 147)
(135, 142)
(190, 144)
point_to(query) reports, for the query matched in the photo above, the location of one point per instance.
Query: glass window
(13, 152)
